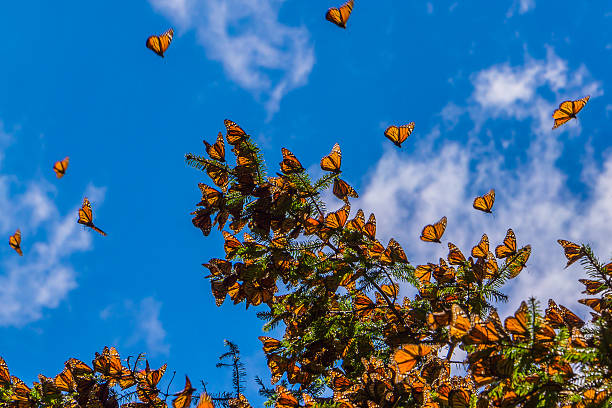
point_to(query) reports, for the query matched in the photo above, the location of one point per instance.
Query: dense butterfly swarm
(350, 341)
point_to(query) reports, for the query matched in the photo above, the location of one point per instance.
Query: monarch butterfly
(342, 189)
(370, 227)
(423, 272)
(15, 242)
(339, 16)
(285, 399)
(290, 163)
(5, 377)
(21, 392)
(86, 216)
(64, 381)
(217, 150)
(357, 223)
(183, 398)
(516, 265)
(482, 249)
(332, 161)
(485, 202)
(269, 344)
(160, 43)
(437, 320)
(594, 303)
(460, 322)
(545, 334)
(517, 324)
(459, 398)
(337, 219)
(277, 365)
(231, 245)
(234, 133)
(592, 287)
(455, 256)
(409, 355)
(399, 134)
(573, 252)
(363, 305)
(508, 247)
(568, 110)
(218, 174)
(60, 167)
(433, 233)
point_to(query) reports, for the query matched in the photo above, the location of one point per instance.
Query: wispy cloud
(523, 6)
(143, 318)
(442, 177)
(42, 278)
(256, 50)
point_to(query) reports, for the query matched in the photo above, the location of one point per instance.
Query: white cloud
(523, 7)
(42, 278)
(147, 326)
(257, 51)
(442, 178)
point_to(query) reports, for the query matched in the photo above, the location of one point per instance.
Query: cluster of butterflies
(85, 212)
(78, 380)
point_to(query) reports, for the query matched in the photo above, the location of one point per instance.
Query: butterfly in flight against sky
(399, 134)
(60, 167)
(568, 110)
(15, 242)
(433, 233)
(86, 216)
(485, 202)
(339, 16)
(160, 43)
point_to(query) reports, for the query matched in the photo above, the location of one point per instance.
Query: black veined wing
(64, 381)
(21, 392)
(482, 249)
(332, 161)
(395, 252)
(433, 232)
(592, 287)
(594, 303)
(216, 151)
(398, 134)
(369, 228)
(5, 377)
(357, 223)
(86, 216)
(337, 219)
(573, 252)
(285, 399)
(545, 334)
(554, 315)
(160, 43)
(459, 398)
(218, 174)
(183, 398)
(423, 272)
(60, 167)
(437, 320)
(460, 323)
(516, 265)
(269, 344)
(15, 242)
(339, 16)
(508, 247)
(290, 163)
(235, 135)
(342, 189)
(455, 256)
(517, 325)
(409, 355)
(485, 202)
(231, 245)
(570, 319)
(568, 110)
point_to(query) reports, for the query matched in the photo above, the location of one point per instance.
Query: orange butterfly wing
(60, 167)
(399, 134)
(339, 16)
(160, 43)
(485, 202)
(15, 242)
(508, 247)
(433, 233)
(568, 110)
(332, 161)
(86, 216)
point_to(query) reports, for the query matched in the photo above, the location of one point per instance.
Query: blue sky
(480, 80)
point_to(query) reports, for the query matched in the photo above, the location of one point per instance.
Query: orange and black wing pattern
(485, 202)
(573, 252)
(160, 43)
(60, 167)
(508, 248)
(568, 110)
(15, 242)
(86, 216)
(332, 161)
(399, 134)
(433, 232)
(340, 15)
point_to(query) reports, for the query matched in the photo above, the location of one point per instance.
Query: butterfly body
(60, 167)
(160, 43)
(86, 217)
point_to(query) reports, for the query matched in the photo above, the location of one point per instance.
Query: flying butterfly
(485, 202)
(568, 110)
(433, 232)
(60, 167)
(508, 247)
(160, 43)
(409, 355)
(482, 249)
(455, 256)
(332, 161)
(15, 242)
(573, 252)
(339, 16)
(86, 216)
(398, 134)
(217, 150)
